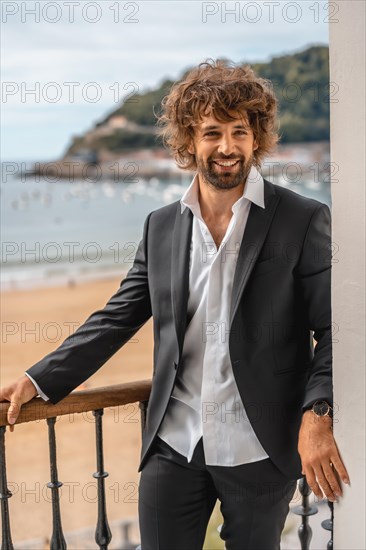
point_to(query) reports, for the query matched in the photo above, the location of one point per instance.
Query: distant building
(117, 121)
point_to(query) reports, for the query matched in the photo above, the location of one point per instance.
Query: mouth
(226, 164)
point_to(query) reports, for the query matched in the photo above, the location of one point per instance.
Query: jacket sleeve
(314, 277)
(101, 335)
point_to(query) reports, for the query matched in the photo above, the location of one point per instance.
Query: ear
(255, 145)
(190, 149)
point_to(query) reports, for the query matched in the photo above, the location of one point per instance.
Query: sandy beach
(35, 322)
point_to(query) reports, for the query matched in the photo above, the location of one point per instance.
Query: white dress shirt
(205, 400)
(40, 392)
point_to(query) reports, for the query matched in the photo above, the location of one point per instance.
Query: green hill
(301, 84)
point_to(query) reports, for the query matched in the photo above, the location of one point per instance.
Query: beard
(221, 179)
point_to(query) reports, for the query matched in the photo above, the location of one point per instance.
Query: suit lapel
(181, 243)
(259, 221)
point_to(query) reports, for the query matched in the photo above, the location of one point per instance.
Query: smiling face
(223, 151)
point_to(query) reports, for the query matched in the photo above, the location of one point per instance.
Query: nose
(226, 145)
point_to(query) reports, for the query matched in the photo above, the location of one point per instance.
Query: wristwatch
(322, 408)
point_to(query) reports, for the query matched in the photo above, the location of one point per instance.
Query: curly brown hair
(217, 87)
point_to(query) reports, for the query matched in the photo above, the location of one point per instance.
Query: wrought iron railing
(305, 510)
(96, 400)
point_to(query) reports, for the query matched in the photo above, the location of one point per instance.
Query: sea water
(67, 231)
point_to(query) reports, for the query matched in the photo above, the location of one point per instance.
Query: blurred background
(81, 167)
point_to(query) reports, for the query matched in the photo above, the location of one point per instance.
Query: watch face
(321, 408)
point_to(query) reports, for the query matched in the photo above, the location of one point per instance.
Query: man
(237, 278)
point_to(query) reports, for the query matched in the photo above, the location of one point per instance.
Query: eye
(212, 133)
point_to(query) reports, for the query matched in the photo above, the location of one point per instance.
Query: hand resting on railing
(19, 392)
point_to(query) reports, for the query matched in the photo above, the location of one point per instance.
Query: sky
(66, 64)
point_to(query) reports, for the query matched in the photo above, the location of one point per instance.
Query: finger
(332, 479)
(336, 475)
(340, 468)
(322, 481)
(11, 427)
(13, 412)
(311, 481)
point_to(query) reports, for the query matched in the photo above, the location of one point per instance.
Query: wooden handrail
(80, 401)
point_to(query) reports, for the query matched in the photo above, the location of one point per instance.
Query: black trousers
(176, 499)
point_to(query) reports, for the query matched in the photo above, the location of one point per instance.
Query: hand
(18, 393)
(320, 459)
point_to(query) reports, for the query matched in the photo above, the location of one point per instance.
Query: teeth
(226, 162)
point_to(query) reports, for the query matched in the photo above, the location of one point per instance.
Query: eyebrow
(215, 127)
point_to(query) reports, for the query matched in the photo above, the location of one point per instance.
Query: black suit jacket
(281, 294)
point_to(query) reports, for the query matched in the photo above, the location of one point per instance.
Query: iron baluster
(103, 535)
(5, 494)
(328, 525)
(57, 540)
(304, 510)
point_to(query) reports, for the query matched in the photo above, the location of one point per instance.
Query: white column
(347, 72)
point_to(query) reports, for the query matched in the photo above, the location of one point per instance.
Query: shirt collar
(253, 191)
